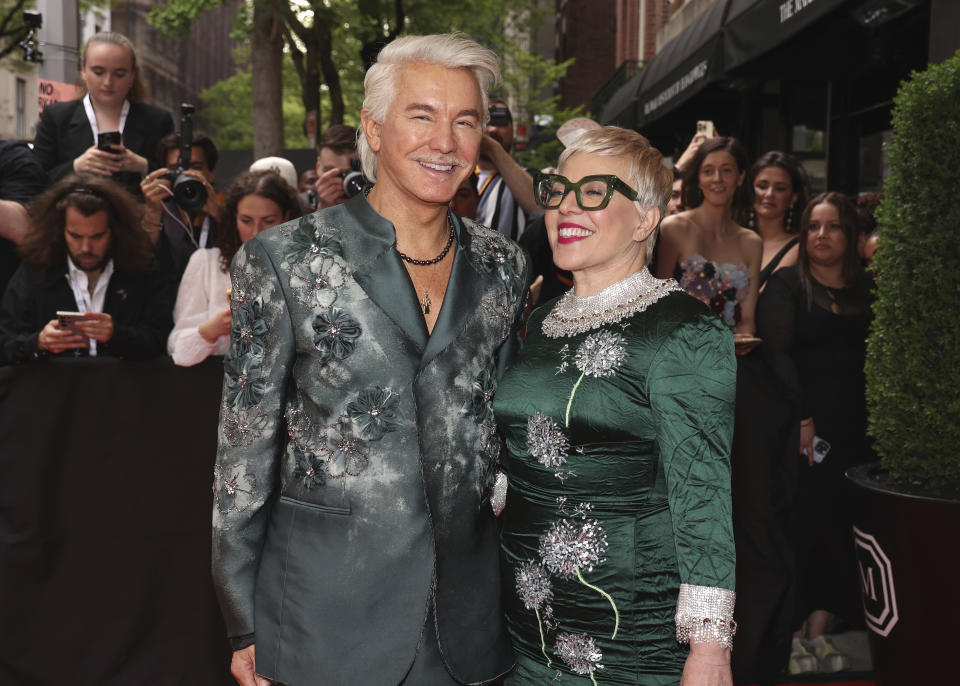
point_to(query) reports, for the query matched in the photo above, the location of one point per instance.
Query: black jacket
(64, 133)
(21, 178)
(141, 306)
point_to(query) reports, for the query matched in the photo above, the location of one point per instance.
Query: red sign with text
(55, 91)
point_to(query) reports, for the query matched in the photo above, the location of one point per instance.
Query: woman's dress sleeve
(692, 390)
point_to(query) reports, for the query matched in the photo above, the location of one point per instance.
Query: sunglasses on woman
(592, 192)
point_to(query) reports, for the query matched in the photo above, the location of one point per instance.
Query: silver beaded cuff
(498, 494)
(705, 615)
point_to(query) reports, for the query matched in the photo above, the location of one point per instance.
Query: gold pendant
(425, 303)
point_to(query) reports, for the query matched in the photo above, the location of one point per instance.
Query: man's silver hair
(451, 50)
(647, 173)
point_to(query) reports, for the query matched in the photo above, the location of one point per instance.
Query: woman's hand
(97, 161)
(743, 349)
(807, 431)
(218, 325)
(131, 161)
(707, 665)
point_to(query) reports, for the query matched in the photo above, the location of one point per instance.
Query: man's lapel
(379, 271)
(464, 291)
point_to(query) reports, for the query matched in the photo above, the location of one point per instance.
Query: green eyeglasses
(592, 192)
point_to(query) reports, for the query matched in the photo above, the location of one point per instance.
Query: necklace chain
(438, 258)
(575, 314)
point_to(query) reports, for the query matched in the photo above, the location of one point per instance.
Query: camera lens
(189, 193)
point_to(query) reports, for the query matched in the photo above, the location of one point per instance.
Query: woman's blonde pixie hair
(647, 173)
(451, 50)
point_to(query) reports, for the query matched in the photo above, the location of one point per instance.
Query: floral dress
(721, 286)
(617, 542)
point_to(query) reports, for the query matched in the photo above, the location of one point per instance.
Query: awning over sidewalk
(621, 110)
(754, 27)
(684, 67)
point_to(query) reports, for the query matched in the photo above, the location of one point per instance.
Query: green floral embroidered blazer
(357, 452)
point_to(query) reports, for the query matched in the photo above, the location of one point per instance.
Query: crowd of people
(670, 472)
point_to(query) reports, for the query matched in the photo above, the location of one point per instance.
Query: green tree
(331, 42)
(222, 101)
(12, 28)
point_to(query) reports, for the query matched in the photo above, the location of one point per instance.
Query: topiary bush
(913, 350)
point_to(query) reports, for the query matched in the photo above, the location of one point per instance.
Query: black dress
(815, 344)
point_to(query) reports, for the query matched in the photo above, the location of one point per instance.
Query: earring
(789, 219)
(752, 221)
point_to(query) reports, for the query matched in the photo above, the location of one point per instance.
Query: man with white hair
(355, 539)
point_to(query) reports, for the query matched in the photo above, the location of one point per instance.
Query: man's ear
(649, 220)
(371, 129)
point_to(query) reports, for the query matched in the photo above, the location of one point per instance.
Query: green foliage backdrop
(913, 357)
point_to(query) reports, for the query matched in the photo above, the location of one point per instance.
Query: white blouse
(202, 294)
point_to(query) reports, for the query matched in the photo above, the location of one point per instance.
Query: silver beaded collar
(575, 314)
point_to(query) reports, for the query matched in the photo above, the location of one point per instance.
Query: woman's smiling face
(603, 243)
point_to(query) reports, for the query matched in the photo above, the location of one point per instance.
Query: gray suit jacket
(357, 452)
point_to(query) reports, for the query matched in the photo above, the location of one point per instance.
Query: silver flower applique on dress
(601, 354)
(233, 491)
(533, 585)
(536, 592)
(580, 653)
(571, 547)
(348, 455)
(547, 443)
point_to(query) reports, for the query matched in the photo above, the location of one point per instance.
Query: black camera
(353, 179)
(499, 116)
(188, 191)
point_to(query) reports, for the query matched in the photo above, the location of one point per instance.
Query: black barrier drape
(105, 473)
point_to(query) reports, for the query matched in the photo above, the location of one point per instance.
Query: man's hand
(211, 207)
(156, 189)
(218, 325)
(97, 325)
(55, 340)
(329, 188)
(516, 177)
(243, 666)
(97, 161)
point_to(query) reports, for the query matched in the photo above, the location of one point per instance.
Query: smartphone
(820, 449)
(108, 140)
(746, 342)
(706, 127)
(68, 320)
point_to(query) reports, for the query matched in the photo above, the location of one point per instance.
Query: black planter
(908, 554)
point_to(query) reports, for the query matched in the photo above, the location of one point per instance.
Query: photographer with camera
(506, 188)
(339, 177)
(182, 208)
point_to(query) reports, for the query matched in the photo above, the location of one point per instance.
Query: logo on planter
(876, 584)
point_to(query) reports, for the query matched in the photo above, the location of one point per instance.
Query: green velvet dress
(618, 442)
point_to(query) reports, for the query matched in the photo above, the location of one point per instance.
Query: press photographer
(338, 169)
(182, 208)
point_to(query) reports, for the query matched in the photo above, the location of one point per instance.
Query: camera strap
(92, 116)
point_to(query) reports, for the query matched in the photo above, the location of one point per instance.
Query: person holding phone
(109, 130)
(814, 317)
(86, 285)
(202, 319)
